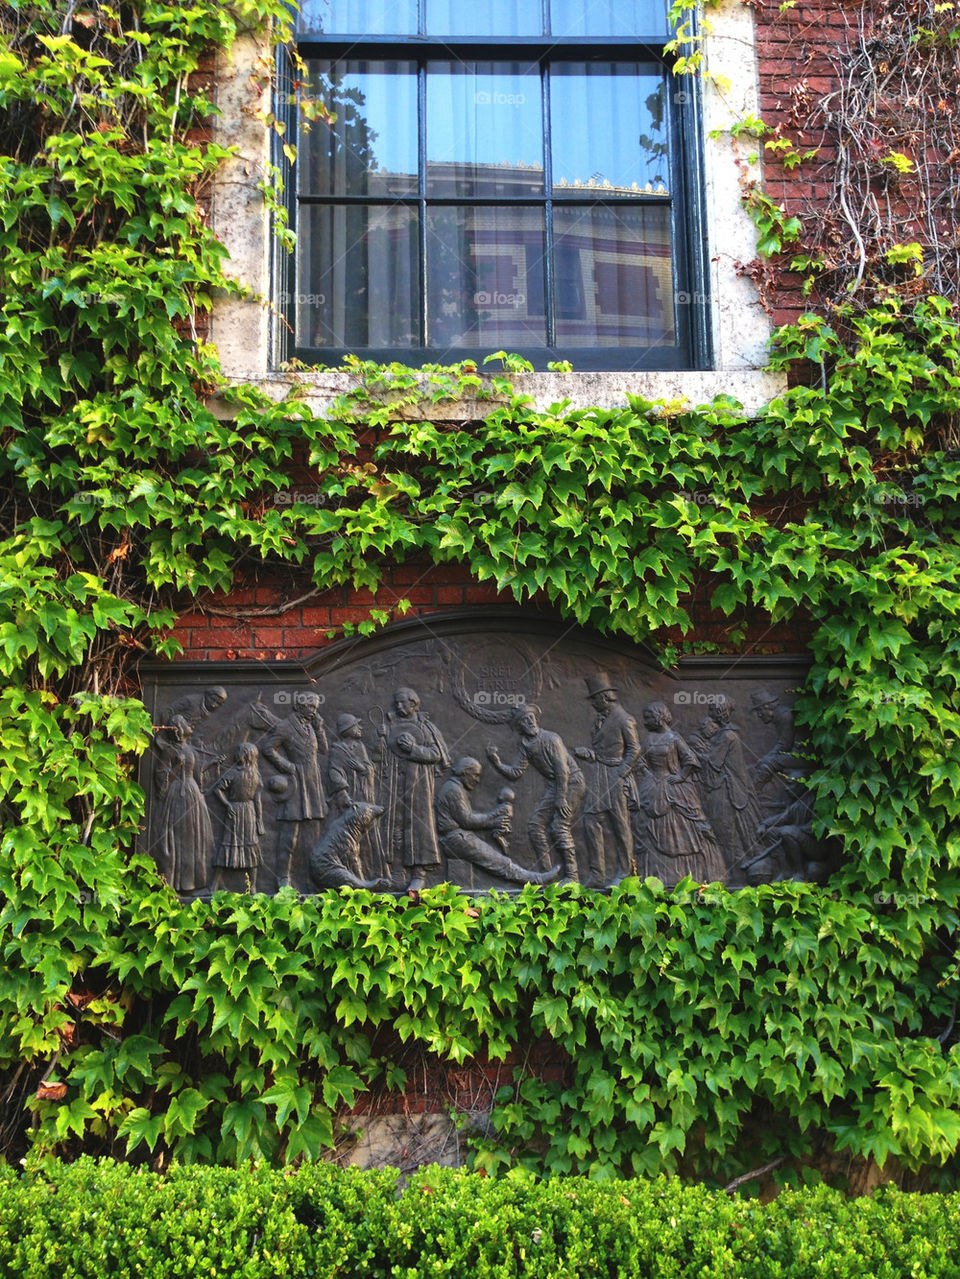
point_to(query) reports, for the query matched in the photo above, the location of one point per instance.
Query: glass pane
(608, 17)
(358, 277)
(371, 148)
(489, 18)
(485, 277)
(484, 129)
(358, 17)
(609, 128)
(613, 275)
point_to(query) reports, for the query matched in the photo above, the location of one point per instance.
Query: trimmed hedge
(101, 1220)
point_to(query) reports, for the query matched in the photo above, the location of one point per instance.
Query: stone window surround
(740, 328)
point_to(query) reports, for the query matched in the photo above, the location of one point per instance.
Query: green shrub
(103, 1221)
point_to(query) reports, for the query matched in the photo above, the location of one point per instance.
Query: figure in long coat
(613, 751)
(294, 747)
(415, 755)
(350, 778)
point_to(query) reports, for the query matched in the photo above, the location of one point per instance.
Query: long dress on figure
(672, 835)
(186, 833)
(243, 823)
(729, 798)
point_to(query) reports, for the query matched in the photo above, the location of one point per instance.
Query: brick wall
(907, 106)
(794, 51)
(269, 622)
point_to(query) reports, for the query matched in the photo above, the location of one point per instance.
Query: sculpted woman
(729, 799)
(186, 833)
(672, 835)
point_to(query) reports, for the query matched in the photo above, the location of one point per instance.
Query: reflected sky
(496, 18)
(608, 126)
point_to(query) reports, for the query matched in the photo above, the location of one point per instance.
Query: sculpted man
(294, 747)
(416, 753)
(769, 709)
(613, 751)
(549, 827)
(458, 825)
(350, 778)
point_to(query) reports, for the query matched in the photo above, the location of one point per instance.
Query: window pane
(609, 127)
(608, 17)
(484, 129)
(613, 275)
(358, 278)
(371, 148)
(485, 277)
(358, 17)
(488, 18)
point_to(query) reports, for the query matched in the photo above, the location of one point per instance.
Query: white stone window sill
(753, 388)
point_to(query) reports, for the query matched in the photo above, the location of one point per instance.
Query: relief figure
(196, 707)
(239, 792)
(769, 709)
(729, 799)
(294, 747)
(459, 826)
(672, 835)
(613, 752)
(550, 825)
(415, 754)
(186, 833)
(788, 847)
(350, 777)
(336, 852)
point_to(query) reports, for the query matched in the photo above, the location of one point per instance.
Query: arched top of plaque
(488, 747)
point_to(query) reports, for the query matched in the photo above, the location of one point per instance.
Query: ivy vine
(701, 1033)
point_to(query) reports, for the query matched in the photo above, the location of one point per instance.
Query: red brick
(486, 594)
(312, 616)
(418, 594)
(192, 622)
(340, 615)
(451, 594)
(300, 636)
(410, 573)
(268, 636)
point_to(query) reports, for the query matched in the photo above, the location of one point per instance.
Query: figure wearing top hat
(350, 777)
(613, 751)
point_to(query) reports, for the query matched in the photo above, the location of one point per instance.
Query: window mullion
(422, 187)
(548, 204)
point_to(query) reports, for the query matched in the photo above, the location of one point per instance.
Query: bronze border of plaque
(487, 747)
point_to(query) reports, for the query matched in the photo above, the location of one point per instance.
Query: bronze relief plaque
(485, 748)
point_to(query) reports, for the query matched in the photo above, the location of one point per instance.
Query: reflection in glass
(371, 148)
(613, 275)
(358, 279)
(485, 277)
(609, 128)
(358, 17)
(489, 18)
(484, 129)
(608, 17)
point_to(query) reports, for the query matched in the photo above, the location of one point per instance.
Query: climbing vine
(701, 1032)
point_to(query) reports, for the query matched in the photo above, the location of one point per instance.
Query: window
(515, 174)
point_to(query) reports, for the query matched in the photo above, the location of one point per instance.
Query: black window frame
(693, 348)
